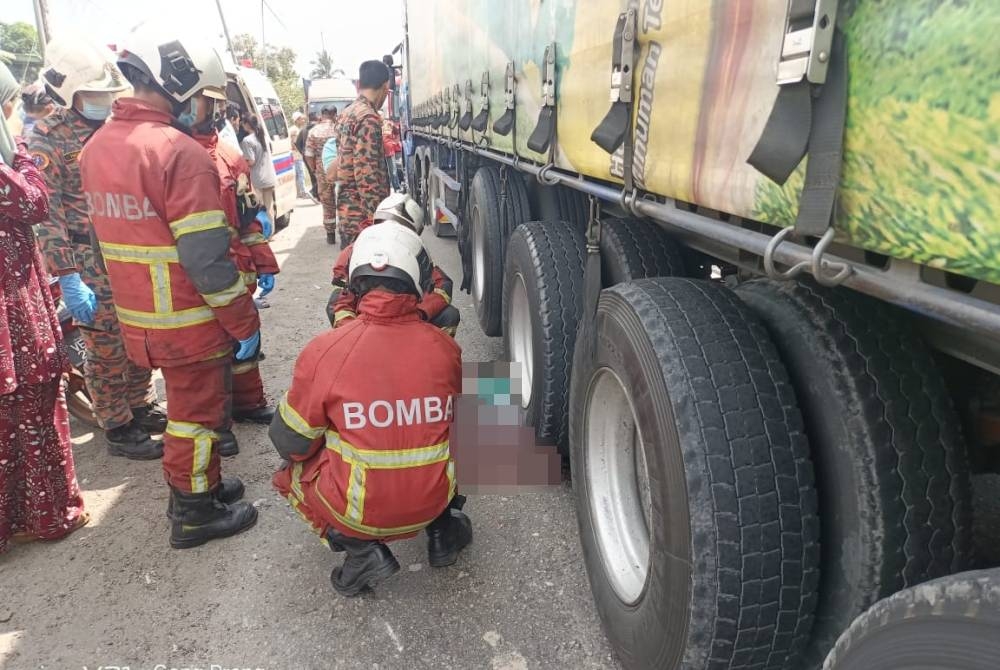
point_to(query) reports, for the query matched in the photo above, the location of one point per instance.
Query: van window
(274, 119)
(235, 96)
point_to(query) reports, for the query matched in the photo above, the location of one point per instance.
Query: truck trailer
(747, 256)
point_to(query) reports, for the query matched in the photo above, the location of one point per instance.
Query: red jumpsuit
(435, 305)
(250, 251)
(366, 423)
(153, 196)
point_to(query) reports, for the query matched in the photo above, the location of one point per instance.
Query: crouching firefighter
(365, 424)
(153, 193)
(435, 304)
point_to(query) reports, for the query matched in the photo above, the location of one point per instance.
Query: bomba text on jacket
(385, 413)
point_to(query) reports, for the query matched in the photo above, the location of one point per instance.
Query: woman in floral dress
(39, 496)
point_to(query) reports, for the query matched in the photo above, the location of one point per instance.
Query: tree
(280, 69)
(322, 66)
(20, 42)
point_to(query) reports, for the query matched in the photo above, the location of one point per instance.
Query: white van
(251, 91)
(337, 92)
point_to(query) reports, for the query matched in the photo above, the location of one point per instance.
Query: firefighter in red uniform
(365, 424)
(435, 306)
(253, 256)
(153, 194)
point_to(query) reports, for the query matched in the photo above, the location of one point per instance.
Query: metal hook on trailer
(545, 178)
(769, 267)
(841, 270)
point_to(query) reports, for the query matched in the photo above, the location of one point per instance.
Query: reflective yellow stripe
(159, 274)
(450, 330)
(387, 459)
(296, 484)
(131, 253)
(443, 294)
(371, 530)
(295, 421)
(356, 493)
(195, 223)
(226, 296)
(252, 239)
(343, 314)
(202, 438)
(165, 320)
(243, 368)
(452, 486)
(248, 277)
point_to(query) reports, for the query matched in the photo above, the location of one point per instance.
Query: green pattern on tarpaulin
(922, 143)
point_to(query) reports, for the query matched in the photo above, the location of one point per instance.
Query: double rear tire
(693, 482)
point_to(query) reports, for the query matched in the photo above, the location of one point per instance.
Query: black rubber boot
(331, 238)
(201, 517)
(230, 490)
(368, 563)
(448, 535)
(152, 418)
(227, 445)
(132, 442)
(262, 415)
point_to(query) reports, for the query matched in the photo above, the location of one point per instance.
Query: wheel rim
(478, 256)
(618, 482)
(519, 336)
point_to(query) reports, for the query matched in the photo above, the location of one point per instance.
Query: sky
(352, 31)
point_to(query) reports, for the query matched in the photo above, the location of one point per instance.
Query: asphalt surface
(115, 595)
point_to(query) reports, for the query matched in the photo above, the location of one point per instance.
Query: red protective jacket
(346, 307)
(366, 423)
(153, 195)
(249, 247)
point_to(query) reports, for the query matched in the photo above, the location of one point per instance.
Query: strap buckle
(806, 42)
(623, 58)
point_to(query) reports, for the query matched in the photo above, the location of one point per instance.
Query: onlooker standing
(364, 182)
(228, 132)
(294, 133)
(393, 146)
(303, 145)
(39, 495)
(313, 155)
(262, 175)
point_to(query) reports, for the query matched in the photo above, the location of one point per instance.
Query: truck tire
(489, 232)
(543, 300)
(559, 203)
(891, 469)
(637, 249)
(694, 489)
(952, 622)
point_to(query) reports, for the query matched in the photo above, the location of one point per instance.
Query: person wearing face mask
(156, 206)
(364, 181)
(82, 80)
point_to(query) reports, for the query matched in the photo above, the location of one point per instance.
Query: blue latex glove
(265, 223)
(248, 348)
(266, 283)
(79, 297)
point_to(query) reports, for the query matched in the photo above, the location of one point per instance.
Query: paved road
(115, 594)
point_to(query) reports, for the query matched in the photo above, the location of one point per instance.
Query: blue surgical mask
(95, 111)
(188, 118)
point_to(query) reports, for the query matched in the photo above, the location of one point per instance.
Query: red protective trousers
(199, 403)
(248, 387)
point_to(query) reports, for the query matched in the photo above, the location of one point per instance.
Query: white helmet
(390, 250)
(403, 209)
(74, 64)
(179, 69)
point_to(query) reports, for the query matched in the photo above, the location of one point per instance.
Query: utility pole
(225, 29)
(42, 24)
(263, 42)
